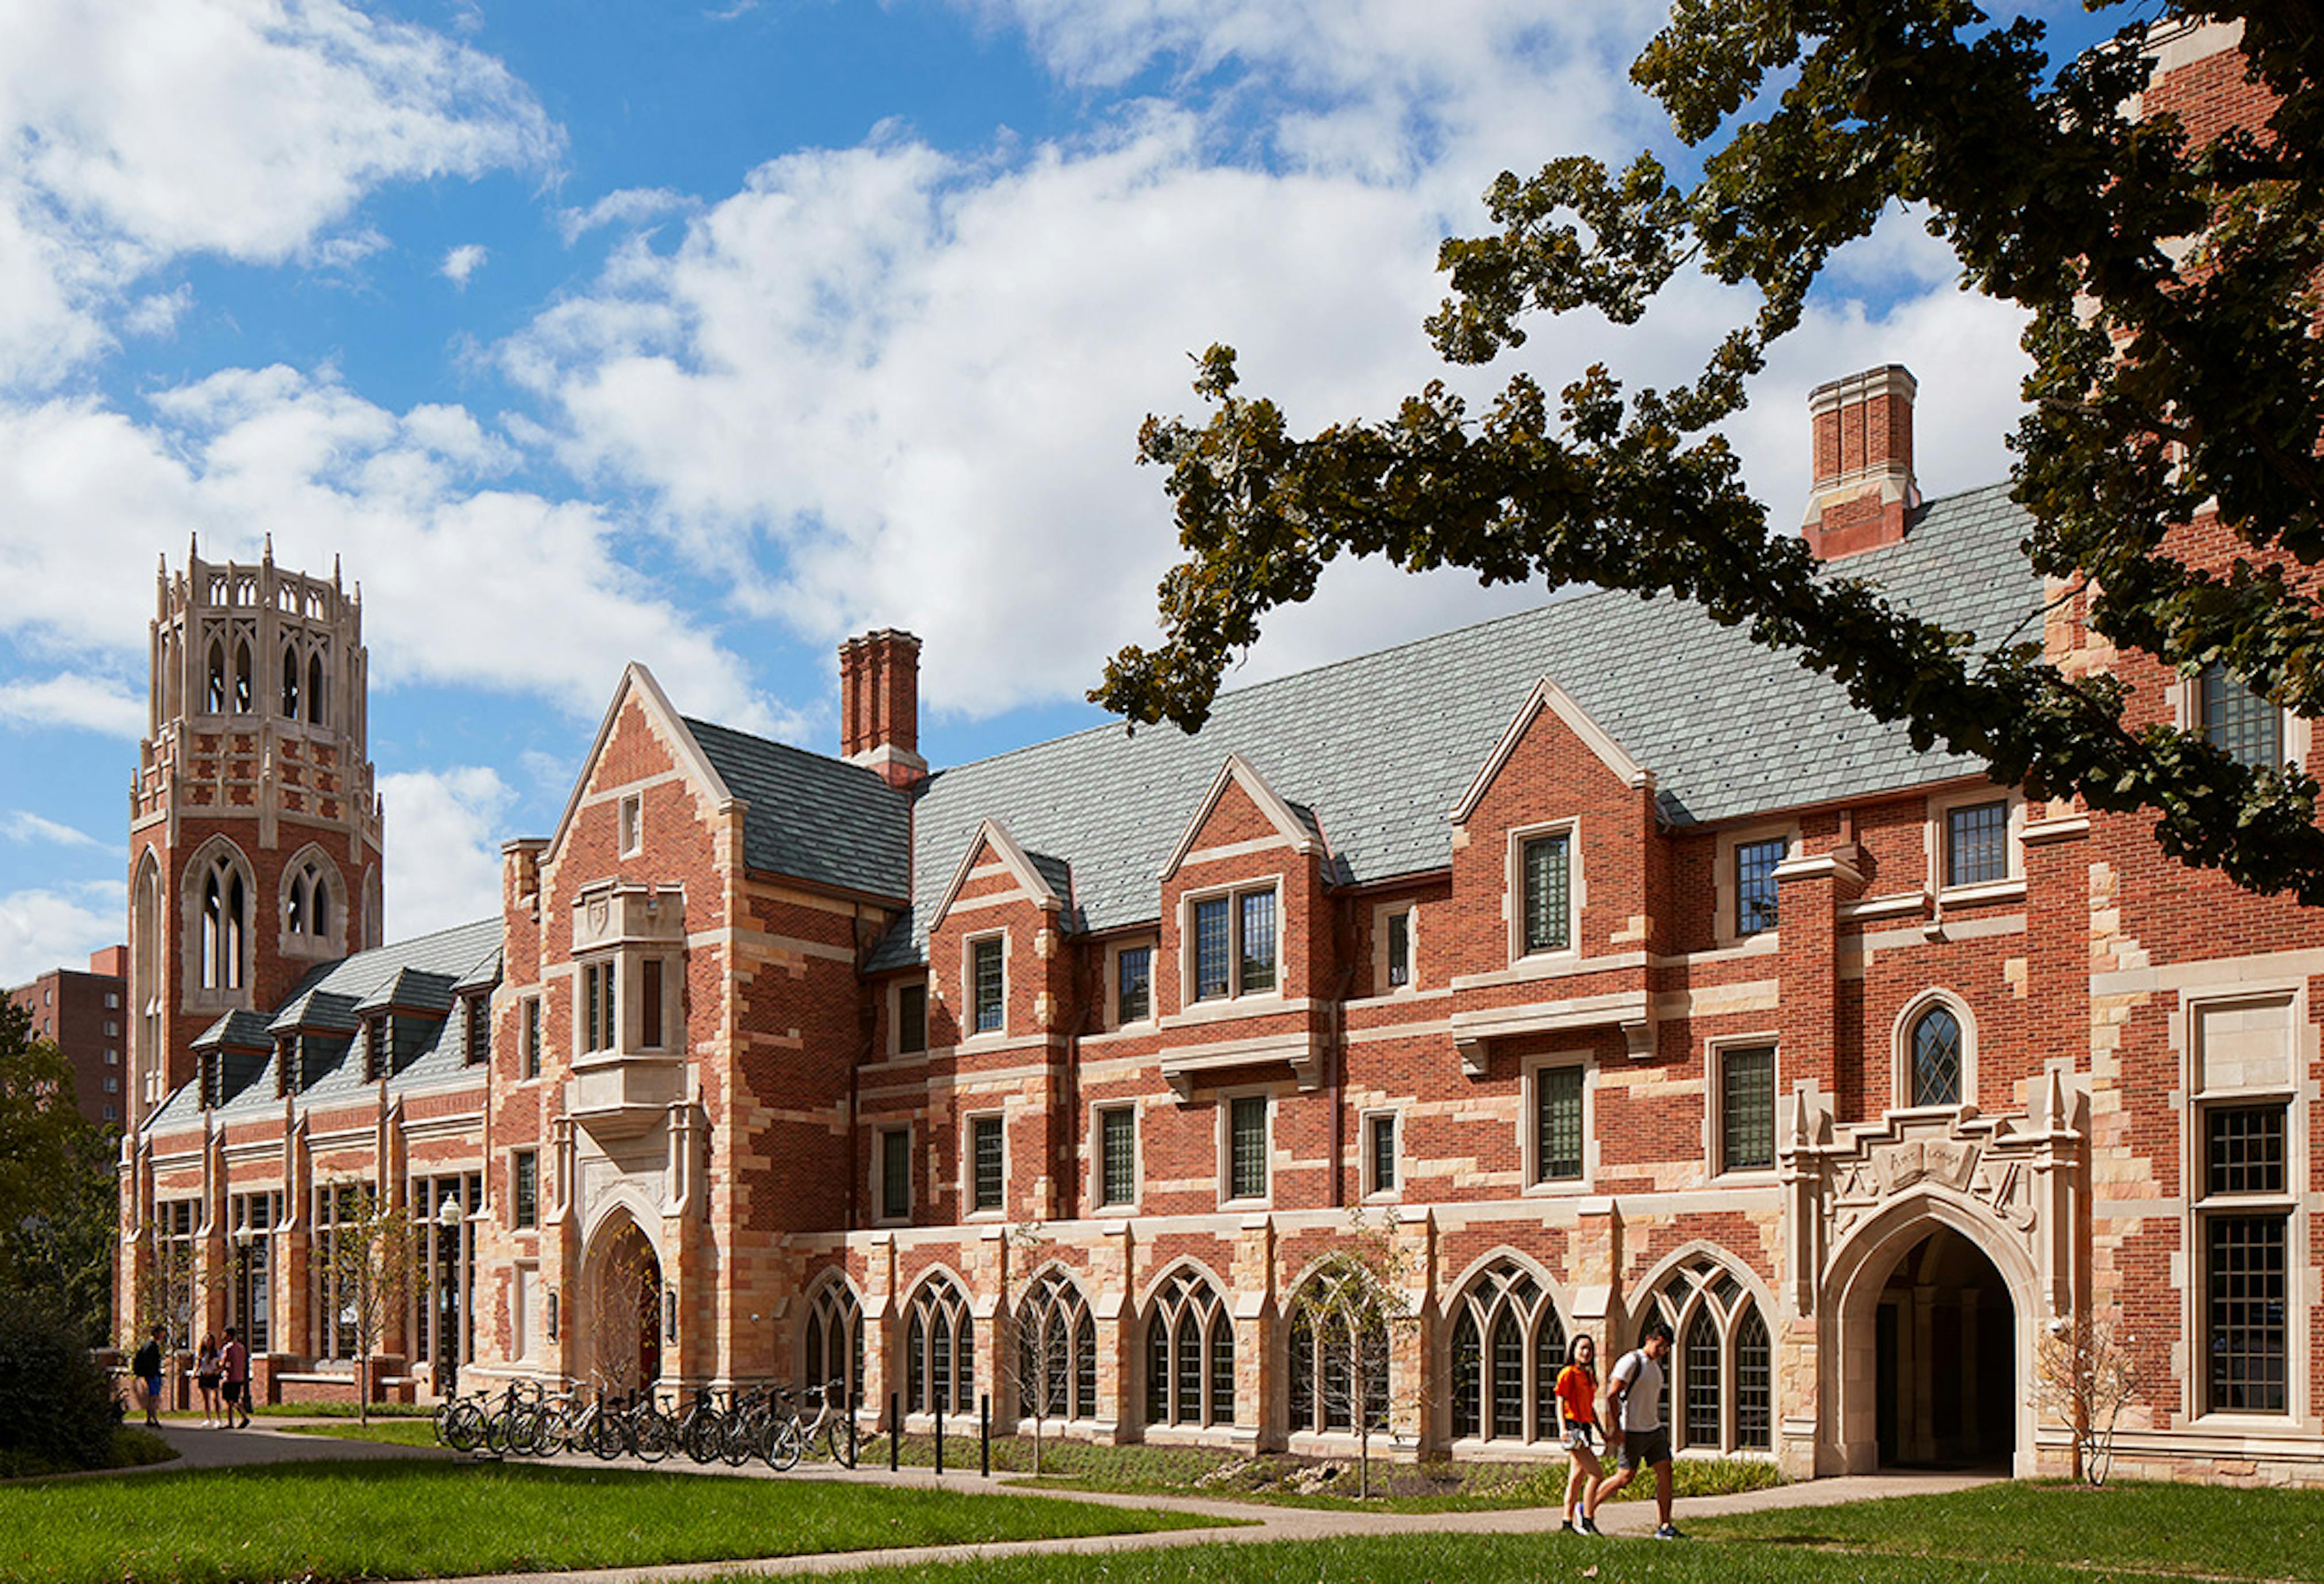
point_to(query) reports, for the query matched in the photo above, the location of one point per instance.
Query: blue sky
(709, 335)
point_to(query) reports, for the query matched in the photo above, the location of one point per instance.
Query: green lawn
(1475, 1558)
(2160, 1528)
(393, 1433)
(405, 1519)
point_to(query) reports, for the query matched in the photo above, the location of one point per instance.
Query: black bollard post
(984, 1435)
(895, 1429)
(939, 1438)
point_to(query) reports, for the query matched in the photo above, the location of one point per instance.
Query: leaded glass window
(1247, 1147)
(1213, 948)
(2246, 1291)
(2243, 1151)
(2238, 722)
(911, 1018)
(1936, 1054)
(1977, 843)
(940, 1351)
(1381, 1140)
(1400, 950)
(987, 1141)
(1547, 874)
(1754, 1377)
(895, 1174)
(1118, 1143)
(1747, 1109)
(1703, 1381)
(1134, 988)
(1190, 1359)
(991, 985)
(1258, 958)
(1755, 884)
(1557, 1124)
(1057, 1342)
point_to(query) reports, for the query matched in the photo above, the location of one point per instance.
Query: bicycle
(830, 1422)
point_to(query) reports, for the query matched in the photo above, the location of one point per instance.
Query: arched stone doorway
(1931, 1309)
(625, 1305)
(1944, 1359)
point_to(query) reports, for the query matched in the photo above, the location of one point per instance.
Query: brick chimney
(1863, 494)
(880, 705)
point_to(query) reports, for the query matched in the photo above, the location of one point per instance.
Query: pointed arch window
(833, 1343)
(1936, 1055)
(1057, 1350)
(225, 926)
(1190, 1354)
(242, 684)
(214, 696)
(1719, 1378)
(1508, 1343)
(315, 688)
(1338, 1371)
(290, 682)
(939, 1350)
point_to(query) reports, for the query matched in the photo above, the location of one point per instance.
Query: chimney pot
(1863, 492)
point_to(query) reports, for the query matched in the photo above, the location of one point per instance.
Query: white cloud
(464, 261)
(157, 314)
(42, 929)
(23, 825)
(443, 843)
(134, 132)
(73, 699)
(631, 207)
(413, 500)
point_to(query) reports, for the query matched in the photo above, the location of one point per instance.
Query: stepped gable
(811, 818)
(1375, 751)
(333, 991)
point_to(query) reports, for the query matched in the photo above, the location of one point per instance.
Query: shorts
(208, 1383)
(1644, 1447)
(153, 1388)
(237, 1392)
(1580, 1437)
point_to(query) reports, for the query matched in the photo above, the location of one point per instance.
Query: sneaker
(1566, 1527)
(1586, 1525)
(1668, 1532)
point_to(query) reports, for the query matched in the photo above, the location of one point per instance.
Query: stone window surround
(1098, 1204)
(307, 940)
(884, 1214)
(1726, 892)
(1373, 1193)
(968, 1121)
(1577, 889)
(1382, 913)
(2186, 699)
(1934, 835)
(531, 1037)
(1908, 1016)
(1529, 1124)
(1234, 892)
(971, 1038)
(1225, 1109)
(1113, 950)
(894, 996)
(2295, 1203)
(1714, 1104)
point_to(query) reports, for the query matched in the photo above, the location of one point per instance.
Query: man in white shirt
(1637, 1433)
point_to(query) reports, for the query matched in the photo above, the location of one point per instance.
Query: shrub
(59, 1409)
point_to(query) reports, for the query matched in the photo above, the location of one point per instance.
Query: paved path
(266, 1442)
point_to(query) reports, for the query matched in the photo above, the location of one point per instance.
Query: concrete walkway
(1242, 1523)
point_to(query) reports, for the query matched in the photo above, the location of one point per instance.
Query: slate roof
(429, 1049)
(810, 816)
(238, 1031)
(409, 989)
(1379, 748)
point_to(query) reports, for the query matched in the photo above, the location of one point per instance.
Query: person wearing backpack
(1638, 1434)
(147, 1368)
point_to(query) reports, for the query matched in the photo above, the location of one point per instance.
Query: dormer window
(988, 978)
(1545, 872)
(1234, 944)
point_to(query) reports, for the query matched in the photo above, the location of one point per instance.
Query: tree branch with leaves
(2174, 378)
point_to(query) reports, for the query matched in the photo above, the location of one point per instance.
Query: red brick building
(1620, 968)
(82, 1014)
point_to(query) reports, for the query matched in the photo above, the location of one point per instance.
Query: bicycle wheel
(601, 1435)
(657, 1436)
(784, 1444)
(735, 1437)
(705, 1437)
(496, 1434)
(464, 1427)
(527, 1427)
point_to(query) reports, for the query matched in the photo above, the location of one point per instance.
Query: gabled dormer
(997, 969)
(1557, 858)
(229, 1055)
(312, 1033)
(403, 1018)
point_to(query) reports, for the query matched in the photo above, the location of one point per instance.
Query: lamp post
(449, 1217)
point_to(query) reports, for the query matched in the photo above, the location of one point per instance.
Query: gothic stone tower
(254, 831)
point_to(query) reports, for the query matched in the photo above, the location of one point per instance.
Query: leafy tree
(371, 1255)
(2165, 377)
(57, 1194)
(1345, 1318)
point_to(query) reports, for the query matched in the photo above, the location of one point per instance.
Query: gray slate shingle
(810, 816)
